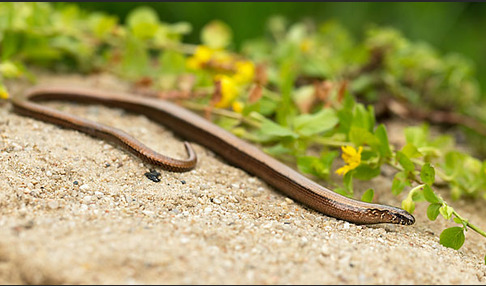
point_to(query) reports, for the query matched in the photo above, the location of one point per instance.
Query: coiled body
(192, 127)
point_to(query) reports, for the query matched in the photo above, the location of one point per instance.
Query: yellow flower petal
(3, 92)
(351, 157)
(238, 106)
(229, 91)
(203, 53)
(245, 71)
(343, 170)
(306, 45)
(201, 56)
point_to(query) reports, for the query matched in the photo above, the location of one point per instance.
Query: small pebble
(84, 187)
(153, 175)
(325, 250)
(86, 199)
(346, 225)
(183, 182)
(184, 239)
(98, 194)
(53, 204)
(148, 213)
(217, 201)
(204, 187)
(288, 201)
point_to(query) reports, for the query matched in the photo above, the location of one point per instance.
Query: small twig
(404, 110)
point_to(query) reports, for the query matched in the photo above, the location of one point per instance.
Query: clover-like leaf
(452, 237)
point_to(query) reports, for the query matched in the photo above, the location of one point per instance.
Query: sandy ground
(76, 210)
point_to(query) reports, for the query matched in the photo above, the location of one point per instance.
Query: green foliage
(416, 71)
(427, 174)
(368, 196)
(66, 37)
(452, 237)
(314, 124)
(216, 35)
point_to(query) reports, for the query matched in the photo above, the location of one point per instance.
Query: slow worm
(192, 127)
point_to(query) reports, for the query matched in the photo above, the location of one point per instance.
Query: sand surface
(77, 210)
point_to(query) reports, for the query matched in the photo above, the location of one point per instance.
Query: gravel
(74, 211)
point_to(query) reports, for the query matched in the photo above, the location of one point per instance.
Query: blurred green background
(449, 27)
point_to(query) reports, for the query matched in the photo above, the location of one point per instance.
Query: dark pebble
(153, 175)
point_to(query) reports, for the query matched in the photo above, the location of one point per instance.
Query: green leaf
(275, 130)
(143, 22)
(452, 237)
(320, 167)
(418, 196)
(446, 211)
(102, 25)
(408, 204)
(430, 196)
(411, 151)
(312, 124)
(360, 136)
(306, 164)
(368, 196)
(343, 192)
(384, 147)
(363, 118)
(365, 172)
(433, 211)
(227, 123)
(457, 220)
(9, 69)
(287, 74)
(172, 62)
(427, 174)
(10, 44)
(417, 135)
(216, 34)
(278, 150)
(405, 162)
(399, 182)
(348, 182)
(135, 62)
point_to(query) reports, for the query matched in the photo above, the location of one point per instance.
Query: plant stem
(221, 112)
(470, 225)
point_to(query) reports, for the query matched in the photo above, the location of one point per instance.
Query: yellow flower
(306, 45)
(202, 55)
(245, 71)
(3, 92)
(229, 90)
(222, 57)
(351, 157)
(238, 106)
